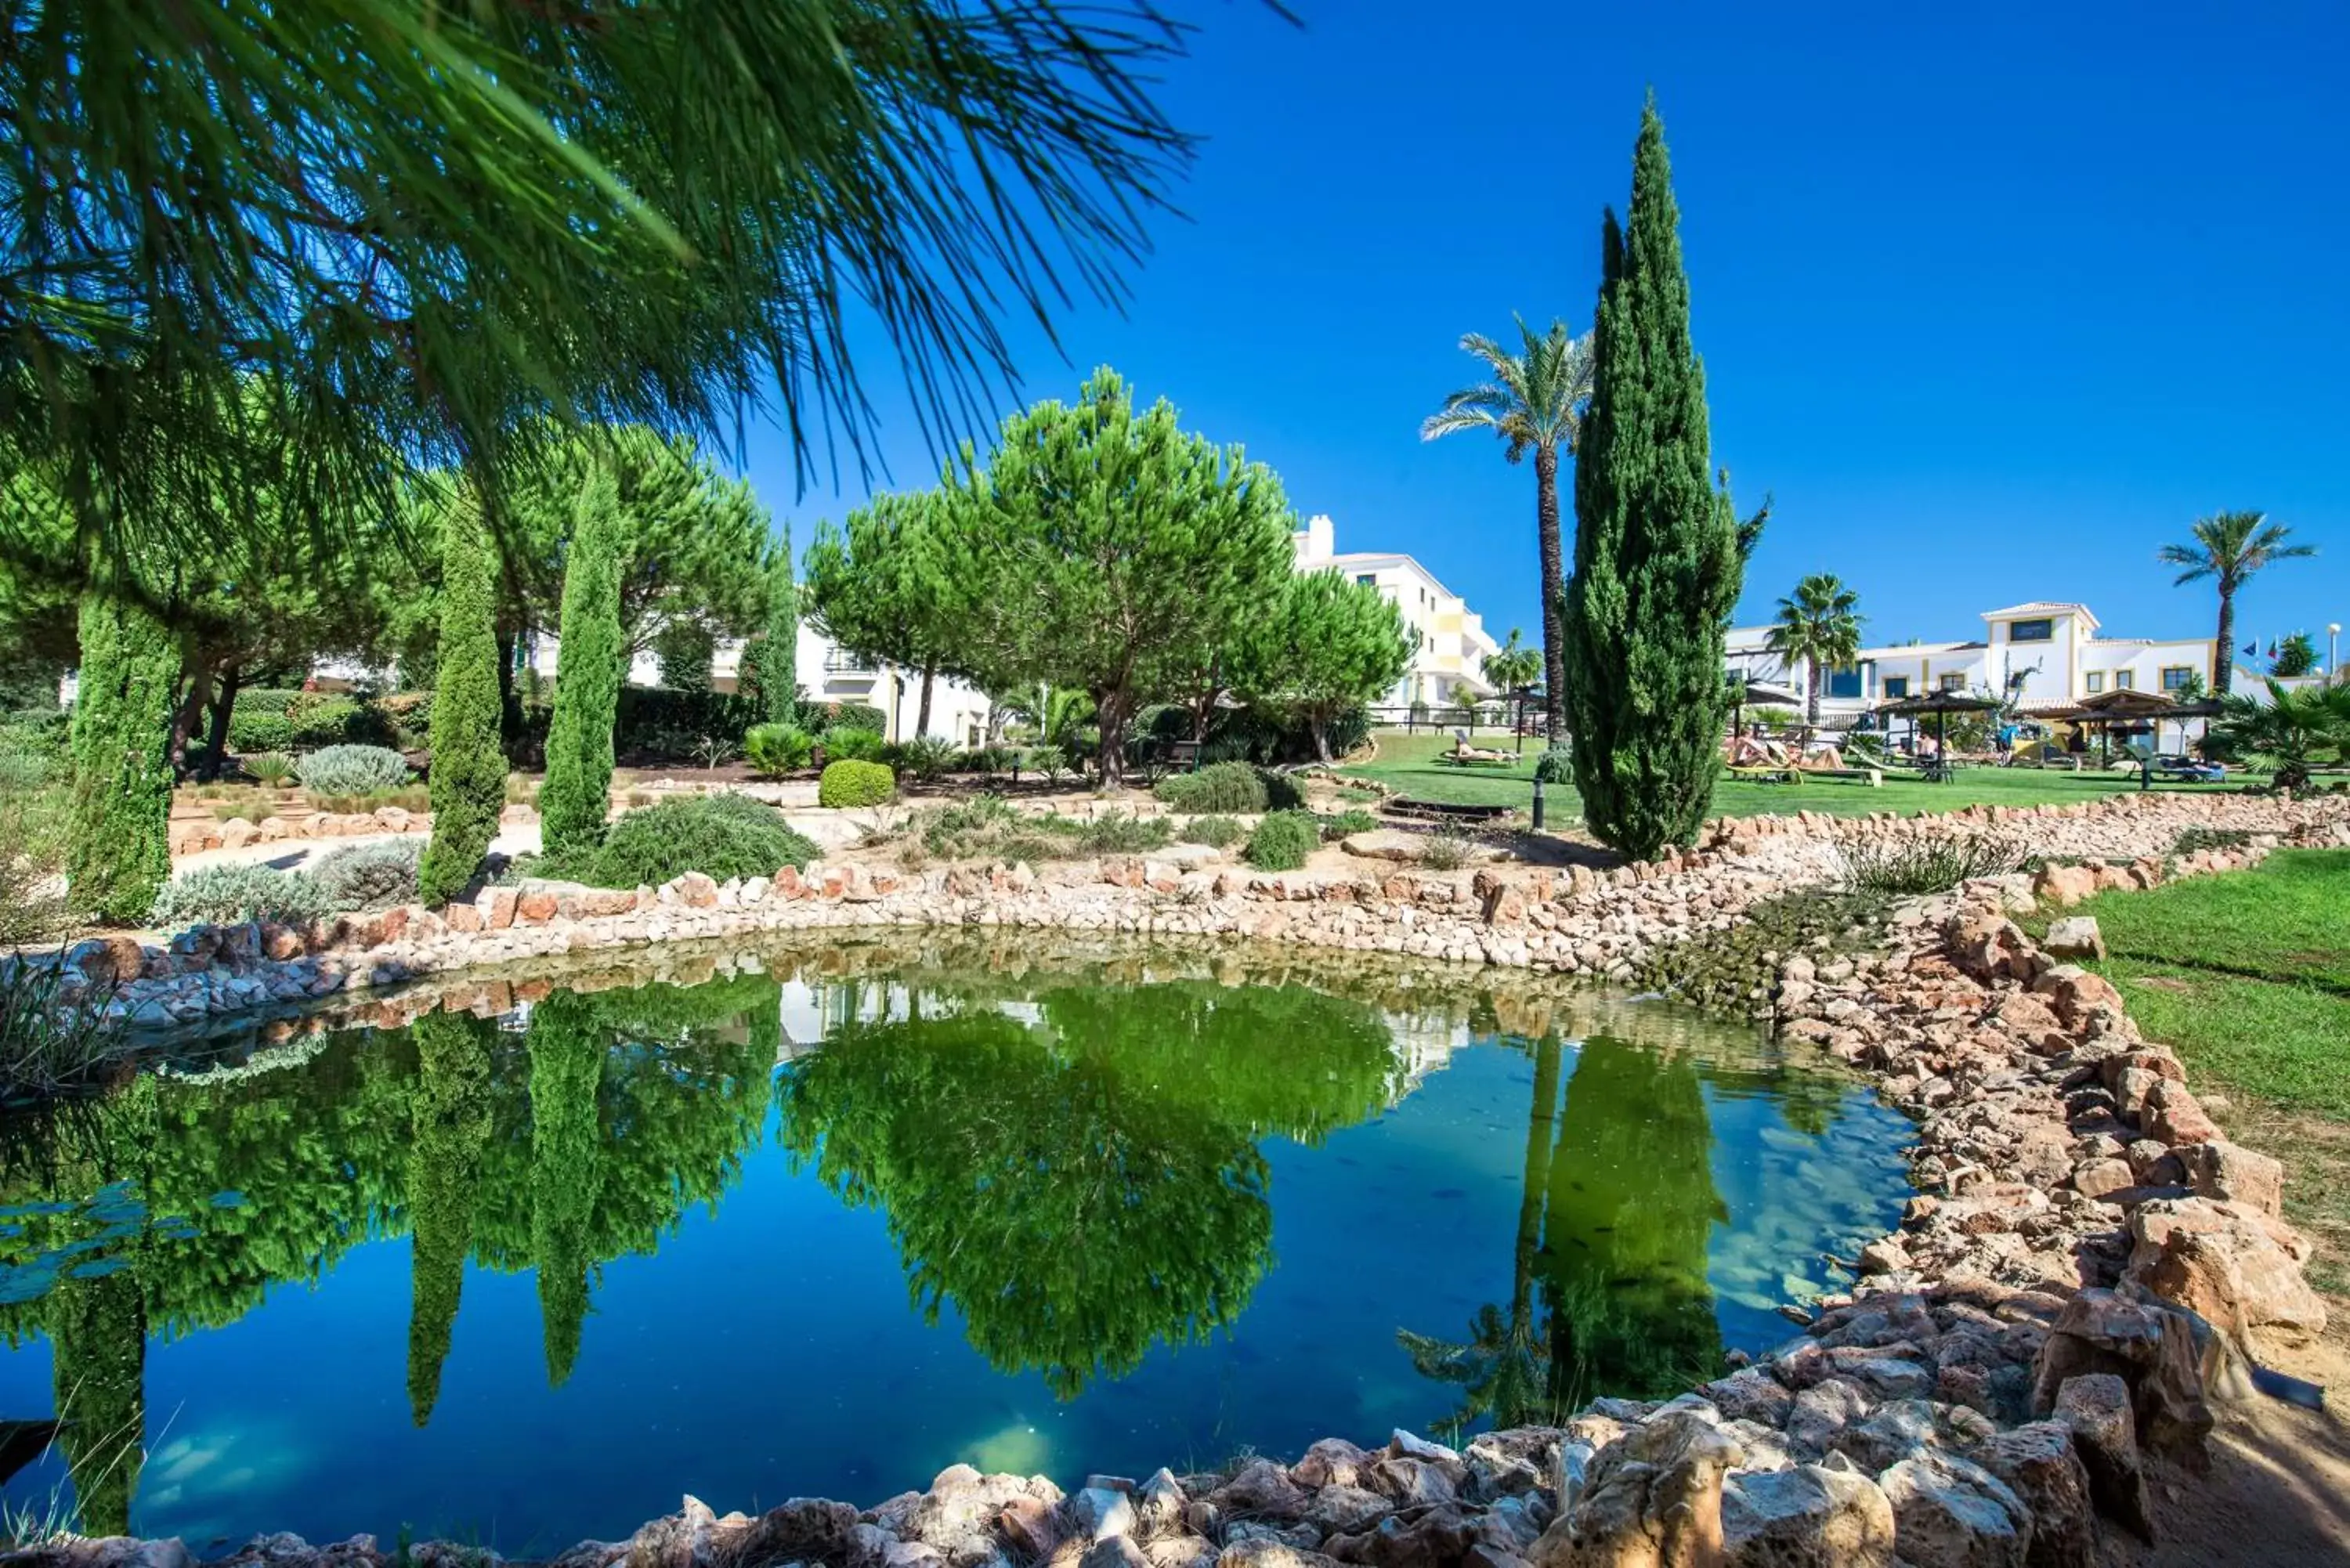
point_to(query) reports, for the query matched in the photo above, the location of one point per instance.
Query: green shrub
(988, 826)
(1217, 787)
(927, 757)
(370, 876)
(1556, 766)
(1346, 822)
(856, 745)
(851, 782)
(1911, 866)
(774, 749)
(251, 730)
(275, 769)
(2192, 839)
(32, 850)
(654, 725)
(46, 1045)
(1048, 760)
(230, 894)
(1447, 849)
(1216, 832)
(724, 836)
(1283, 841)
(352, 770)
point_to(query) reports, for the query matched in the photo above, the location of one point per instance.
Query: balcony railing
(840, 661)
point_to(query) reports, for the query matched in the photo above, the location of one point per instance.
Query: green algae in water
(847, 1216)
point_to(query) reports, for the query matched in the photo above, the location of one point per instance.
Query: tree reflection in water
(1088, 1186)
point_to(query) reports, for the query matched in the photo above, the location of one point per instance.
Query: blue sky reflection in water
(529, 1279)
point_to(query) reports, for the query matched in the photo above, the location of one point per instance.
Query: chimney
(1318, 540)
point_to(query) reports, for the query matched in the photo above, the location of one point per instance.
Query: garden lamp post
(2332, 641)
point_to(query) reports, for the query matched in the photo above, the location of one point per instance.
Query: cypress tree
(1657, 568)
(469, 770)
(777, 652)
(577, 791)
(448, 1111)
(119, 845)
(566, 1067)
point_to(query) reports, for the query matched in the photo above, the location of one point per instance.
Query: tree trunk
(1321, 731)
(1811, 706)
(1529, 1197)
(223, 705)
(922, 712)
(184, 712)
(1554, 591)
(1110, 712)
(2223, 664)
(509, 704)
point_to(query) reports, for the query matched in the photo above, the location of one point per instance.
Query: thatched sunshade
(1941, 704)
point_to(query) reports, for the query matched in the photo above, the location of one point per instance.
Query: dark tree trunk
(224, 706)
(1812, 702)
(1320, 727)
(922, 712)
(1109, 712)
(2223, 662)
(509, 702)
(186, 711)
(1554, 591)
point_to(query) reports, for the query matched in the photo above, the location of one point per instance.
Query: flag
(2273, 647)
(2252, 649)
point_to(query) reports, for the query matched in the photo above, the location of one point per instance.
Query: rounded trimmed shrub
(259, 730)
(851, 782)
(370, 876)
(853, 744)
(230, 894)
(351, 770)
(1217, 787)
(1283, 841)
(720, 835)
(1353, 820)
(773, 749)
(1216, 832)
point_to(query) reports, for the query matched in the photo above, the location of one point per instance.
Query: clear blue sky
(1994, 299)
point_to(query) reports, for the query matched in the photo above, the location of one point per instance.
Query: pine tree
(1657, 567)
(119, 847)
(577, 791)
(469, 770)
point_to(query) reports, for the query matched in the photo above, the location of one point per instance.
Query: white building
(2045, 653)
(1448, 660)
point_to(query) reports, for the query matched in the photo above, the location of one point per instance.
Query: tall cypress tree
(567, 1065)
(448, 1110)
(469, 770)
(118, 850)
(1657, 567)
(777, 651)
(578, 792)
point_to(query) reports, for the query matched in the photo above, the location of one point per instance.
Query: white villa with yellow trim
(1448, 661)
(2047, 653)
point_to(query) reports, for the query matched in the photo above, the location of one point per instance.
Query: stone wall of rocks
(1600, 922)
(2088, 1264)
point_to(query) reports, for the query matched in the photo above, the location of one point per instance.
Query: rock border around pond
(2087, 1266)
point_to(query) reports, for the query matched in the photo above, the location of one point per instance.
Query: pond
(833, 1220)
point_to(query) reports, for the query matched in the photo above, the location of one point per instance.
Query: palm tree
(1513, 665)
(1535, 400)
(1819, 624)
(2230, 548)
(2293, 732)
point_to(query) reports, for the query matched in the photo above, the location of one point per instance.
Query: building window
(2175, 677)
(1896, 686)
(1844, 682)
(1368, 579)
(2124, 679)
(2041, 630)
(2097, 680)
(1951, 682)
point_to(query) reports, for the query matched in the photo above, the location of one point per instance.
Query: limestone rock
(1261, 1490)
(2076, 937)
(1383, 844)
(1333, 1461)
(2038, 1462)
(1435, 1538)
(1806, 1517)
(2236, 1267)
(1653, 1498)
(2237, 1176)
(1950, 1512)
(2097, 1407)
(1258, 1552)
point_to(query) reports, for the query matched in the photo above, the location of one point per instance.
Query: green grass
(1408, 762)
(2247, 977)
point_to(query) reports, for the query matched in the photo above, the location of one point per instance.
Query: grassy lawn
(1408, 762)
(2248, 977)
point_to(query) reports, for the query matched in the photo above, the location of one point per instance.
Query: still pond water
(826, 1227)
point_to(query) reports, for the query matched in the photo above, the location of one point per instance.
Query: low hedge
(230, 894)
(850, 783)
(1220, 787)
